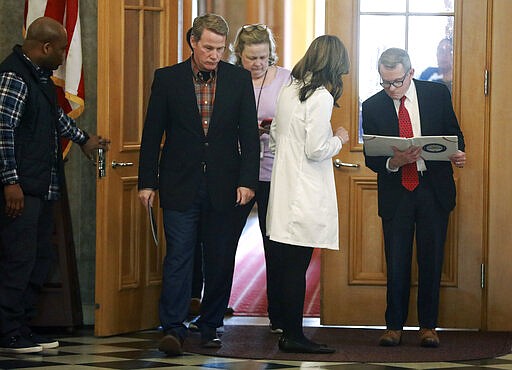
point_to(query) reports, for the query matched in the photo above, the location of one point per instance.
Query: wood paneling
(366, 249)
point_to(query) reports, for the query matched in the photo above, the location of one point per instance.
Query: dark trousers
(293, 266)
(272, 254)
(219, 248)
(420, 212)
(26, 255)
(197, 275)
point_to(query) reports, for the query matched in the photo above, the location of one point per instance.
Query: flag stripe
(35, 9)
(69, 77)
(55, 9)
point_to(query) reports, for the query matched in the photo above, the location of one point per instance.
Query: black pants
(26, 255)
(418, 212)
(273, 255)
(293, 266)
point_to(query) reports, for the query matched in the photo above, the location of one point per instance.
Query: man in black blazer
(208, 165)
(425, 208)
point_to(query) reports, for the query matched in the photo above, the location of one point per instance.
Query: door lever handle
(121, 164)
(338, 164)
(101, 163)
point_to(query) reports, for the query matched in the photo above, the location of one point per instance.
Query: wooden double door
(137, 36)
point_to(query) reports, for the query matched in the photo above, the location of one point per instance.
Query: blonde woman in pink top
(254, 49)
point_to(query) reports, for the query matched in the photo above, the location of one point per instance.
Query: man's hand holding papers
(431, 148)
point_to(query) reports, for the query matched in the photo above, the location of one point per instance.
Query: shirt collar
(196, 72)
(410, 94)
(43, 73)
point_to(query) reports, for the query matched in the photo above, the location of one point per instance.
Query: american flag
(69, 77)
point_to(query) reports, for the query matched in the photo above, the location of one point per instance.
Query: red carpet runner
(249, 292)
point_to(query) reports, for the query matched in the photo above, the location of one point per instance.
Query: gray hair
(212, 22)
(392, 57)
(258, 34)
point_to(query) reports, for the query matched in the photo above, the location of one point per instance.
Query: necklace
(259, 94)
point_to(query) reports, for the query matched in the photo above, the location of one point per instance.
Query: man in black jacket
(208, 165)
(32, 174)
(414, 195)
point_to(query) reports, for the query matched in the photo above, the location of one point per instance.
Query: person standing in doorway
(415, 197)
(302, 209)
(208, 166)
(254, 49)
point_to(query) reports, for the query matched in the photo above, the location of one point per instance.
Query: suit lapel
(190, 99)
(388, 111)
(425, 101)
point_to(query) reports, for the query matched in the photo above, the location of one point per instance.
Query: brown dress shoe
(428, 338)
(171, 344)
(390, 338)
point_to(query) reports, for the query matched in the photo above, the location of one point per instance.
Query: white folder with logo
(433, 148)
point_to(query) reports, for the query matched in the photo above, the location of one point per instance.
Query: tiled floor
(138, 351)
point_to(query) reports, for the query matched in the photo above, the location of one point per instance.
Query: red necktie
(409, 171)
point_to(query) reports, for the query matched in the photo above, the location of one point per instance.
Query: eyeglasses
(395, 83)
(252, 27)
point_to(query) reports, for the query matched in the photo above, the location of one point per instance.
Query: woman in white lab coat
(302, 211)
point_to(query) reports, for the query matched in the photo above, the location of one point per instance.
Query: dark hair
(324, 64)
(189, 33)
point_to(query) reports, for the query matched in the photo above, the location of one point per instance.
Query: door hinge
(486, 82)
(482, 276)
(96, 306)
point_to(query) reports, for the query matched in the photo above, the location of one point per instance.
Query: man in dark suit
(414, 195)
(209, 164)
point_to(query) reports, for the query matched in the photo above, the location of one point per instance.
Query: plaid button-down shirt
(13, 97)
(205, 92)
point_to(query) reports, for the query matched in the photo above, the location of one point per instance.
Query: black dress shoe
(211, 343)
(303, 346)
(229, 311)
(209, 339)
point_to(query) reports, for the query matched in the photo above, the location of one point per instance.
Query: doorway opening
(249, 291)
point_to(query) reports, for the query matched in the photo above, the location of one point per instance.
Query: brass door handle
(101, 163)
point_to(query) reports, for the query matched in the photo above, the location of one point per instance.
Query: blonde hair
(253, 34)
